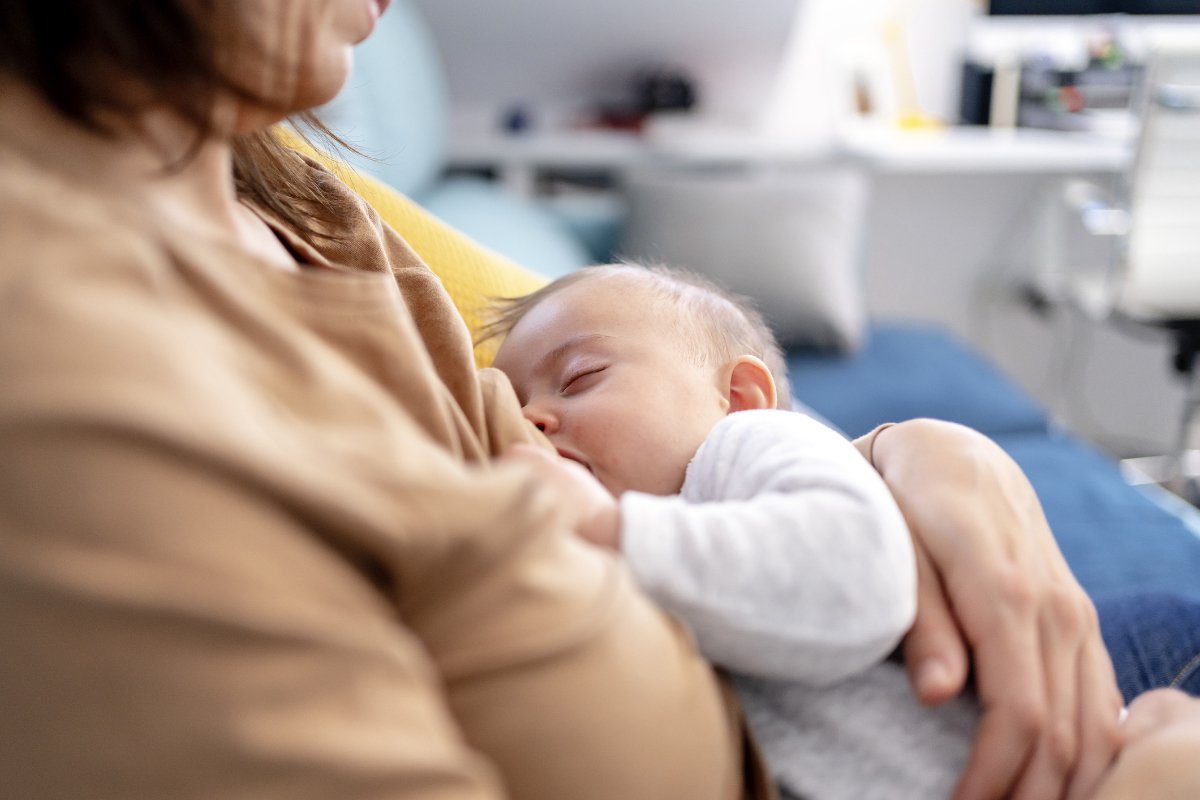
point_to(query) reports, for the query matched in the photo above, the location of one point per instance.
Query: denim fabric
(1154, 641)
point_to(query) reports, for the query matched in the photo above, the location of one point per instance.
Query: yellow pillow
(471, 273)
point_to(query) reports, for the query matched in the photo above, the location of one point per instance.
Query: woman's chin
(320, 88)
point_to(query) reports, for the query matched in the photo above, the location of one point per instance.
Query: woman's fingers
(1100, 734)
(1010, 681)
(935, 654)
(596, 517)
(530, 452)
(1061, 630)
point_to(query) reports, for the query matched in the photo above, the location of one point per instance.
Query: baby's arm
(785, 553)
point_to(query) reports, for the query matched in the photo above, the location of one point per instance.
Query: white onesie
(787, 555)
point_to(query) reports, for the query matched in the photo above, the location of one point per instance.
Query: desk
(986, 150)
(519, 159)
(946, 234)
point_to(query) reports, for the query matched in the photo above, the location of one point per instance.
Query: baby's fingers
(1100, 734)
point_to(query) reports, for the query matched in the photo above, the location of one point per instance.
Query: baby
(765, 530)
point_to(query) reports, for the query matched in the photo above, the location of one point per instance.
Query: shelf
(962, 150)
(986, 150)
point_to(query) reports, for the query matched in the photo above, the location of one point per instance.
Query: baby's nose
(541, 417)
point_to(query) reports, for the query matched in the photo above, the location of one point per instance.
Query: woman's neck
(159, 167)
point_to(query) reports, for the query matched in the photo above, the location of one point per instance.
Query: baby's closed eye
(581, 379)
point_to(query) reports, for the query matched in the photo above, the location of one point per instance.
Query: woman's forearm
(991, 580)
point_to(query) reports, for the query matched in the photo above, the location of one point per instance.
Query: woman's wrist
(866, 444)
(930, 461)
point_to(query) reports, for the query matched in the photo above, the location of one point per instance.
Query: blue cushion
(1117, 538)
(508, 224)
(905, 371)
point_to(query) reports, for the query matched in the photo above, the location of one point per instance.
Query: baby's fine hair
(715, 325)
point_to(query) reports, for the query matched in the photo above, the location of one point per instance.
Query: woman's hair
(81, 54)
(715, 325)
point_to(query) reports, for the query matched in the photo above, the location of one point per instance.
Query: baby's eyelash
(583, 373)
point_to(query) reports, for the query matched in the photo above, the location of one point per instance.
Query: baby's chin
(615, 485)
(662, 488)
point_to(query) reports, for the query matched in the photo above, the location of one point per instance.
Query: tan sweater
(253, 544)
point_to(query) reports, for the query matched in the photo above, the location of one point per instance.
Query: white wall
(559, 56)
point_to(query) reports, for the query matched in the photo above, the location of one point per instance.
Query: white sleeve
(785, 551)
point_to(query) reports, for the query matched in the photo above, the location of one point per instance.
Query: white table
(518, 159)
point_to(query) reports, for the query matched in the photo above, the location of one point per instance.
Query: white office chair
(1153, 275)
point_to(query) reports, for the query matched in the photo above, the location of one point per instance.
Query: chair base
(1179, 473)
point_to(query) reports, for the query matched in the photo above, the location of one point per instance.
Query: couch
(1116, 537)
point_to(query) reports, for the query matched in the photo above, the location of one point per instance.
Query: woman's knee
(1154, 641)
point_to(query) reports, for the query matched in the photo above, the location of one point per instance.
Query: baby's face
(597, 369)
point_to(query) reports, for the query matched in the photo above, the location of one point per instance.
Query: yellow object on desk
(909, 115)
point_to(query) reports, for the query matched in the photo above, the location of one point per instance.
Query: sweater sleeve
(785, 551)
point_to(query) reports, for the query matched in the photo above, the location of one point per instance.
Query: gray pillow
(786, 238)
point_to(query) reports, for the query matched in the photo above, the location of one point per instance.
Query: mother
(254, 539)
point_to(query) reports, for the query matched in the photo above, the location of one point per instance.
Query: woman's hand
(991, 579)
(597, 515)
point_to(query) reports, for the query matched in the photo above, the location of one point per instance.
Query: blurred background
(963, 163)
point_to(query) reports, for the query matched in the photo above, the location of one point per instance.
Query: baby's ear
(751, 385)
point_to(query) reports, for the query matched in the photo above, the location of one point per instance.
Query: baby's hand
(1158, 759)
(598, 517)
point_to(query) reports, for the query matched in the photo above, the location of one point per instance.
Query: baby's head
(626, 369)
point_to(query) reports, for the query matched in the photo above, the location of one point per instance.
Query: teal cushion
(393, 107)
(595, 219)
(508, 224)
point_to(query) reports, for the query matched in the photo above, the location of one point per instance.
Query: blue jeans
(1154, 641)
